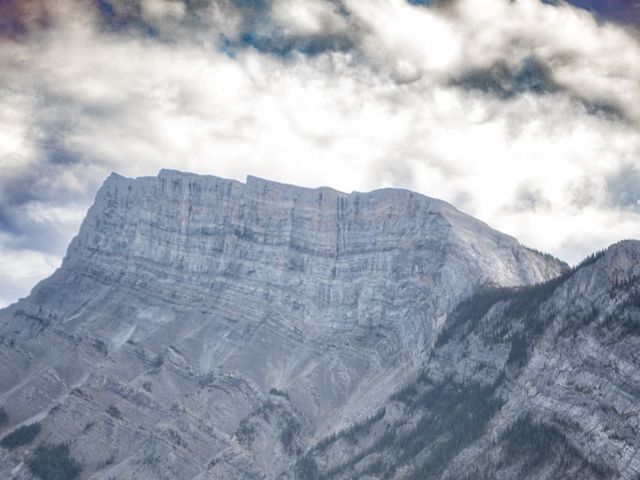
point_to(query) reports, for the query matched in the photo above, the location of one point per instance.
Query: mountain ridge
(547, 377)
(201, 326)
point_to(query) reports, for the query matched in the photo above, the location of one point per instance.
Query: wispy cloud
(523, 113)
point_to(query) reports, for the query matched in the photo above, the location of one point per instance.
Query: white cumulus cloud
(521, 113)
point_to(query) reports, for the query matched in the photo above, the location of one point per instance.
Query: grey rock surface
(200, 327)
(540, 382)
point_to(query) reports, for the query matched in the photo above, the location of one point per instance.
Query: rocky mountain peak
(598, 273)
(189, 237)
(621, 260)
(185, 301)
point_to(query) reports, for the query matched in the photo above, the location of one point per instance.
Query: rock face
(204, 328)
(541, 382)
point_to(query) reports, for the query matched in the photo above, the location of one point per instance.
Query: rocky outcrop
(185, 300)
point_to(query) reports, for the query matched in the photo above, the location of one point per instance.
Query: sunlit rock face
(206, 327)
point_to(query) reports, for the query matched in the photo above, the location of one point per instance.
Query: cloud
(504, 81)
(522, 113)
(623, 188)
(20, 270)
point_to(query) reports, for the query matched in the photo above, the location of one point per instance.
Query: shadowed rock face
(185, 300)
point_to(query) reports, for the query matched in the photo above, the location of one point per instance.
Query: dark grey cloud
(23, 216)
(55, 176)
(505, 81)
(532, 76)
(583, 193)
(623, 188)
(529, 198)
(21, 18)
(233, 25)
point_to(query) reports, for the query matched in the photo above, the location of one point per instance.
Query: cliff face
(539, 382)
(185, 300)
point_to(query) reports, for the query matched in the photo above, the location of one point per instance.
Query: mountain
(206, 328)
(537, 382)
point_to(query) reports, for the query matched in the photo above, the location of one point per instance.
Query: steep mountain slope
(539, 382)
(205, 328)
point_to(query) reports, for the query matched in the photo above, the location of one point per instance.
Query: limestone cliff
(200, 327)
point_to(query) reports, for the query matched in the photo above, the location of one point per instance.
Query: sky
(523, 113)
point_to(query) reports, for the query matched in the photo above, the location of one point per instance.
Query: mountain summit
(201, 327)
